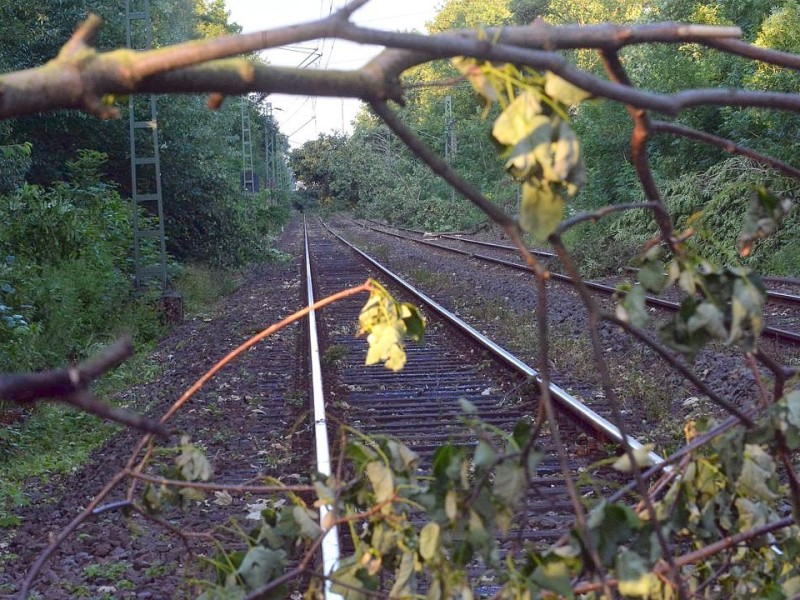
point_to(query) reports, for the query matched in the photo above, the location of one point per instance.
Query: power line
(301, 126)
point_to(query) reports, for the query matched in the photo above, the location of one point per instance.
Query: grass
(54, 440)
(202, 287)
(334, 355)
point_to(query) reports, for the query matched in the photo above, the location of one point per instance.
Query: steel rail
(776, 332)
(455, 236)
(330, 543)
(507, 247)
(583, 412)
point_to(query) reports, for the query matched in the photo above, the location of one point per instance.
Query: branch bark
(71, 386)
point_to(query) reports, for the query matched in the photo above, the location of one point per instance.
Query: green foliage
(408, 526)
(206, 218)
(15, 161)
(66, 277)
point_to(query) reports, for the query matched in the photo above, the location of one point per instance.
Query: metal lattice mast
(450, 145)
(248, 172)
(149, 242)
(270, 143)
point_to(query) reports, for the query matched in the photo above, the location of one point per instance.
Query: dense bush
(67, 273)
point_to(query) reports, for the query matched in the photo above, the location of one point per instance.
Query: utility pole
(248, 172)
(149, 242)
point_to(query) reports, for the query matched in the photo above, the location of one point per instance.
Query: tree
(730, 494)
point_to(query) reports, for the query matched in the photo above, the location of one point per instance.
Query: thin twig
(598, 214)
(762, 389)
(611, 397)
(214, 487)
(544, 389)
(682, 369)
(85, 514)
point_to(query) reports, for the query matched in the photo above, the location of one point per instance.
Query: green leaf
(382, 480)
(746, 312)
(563, 90)
(758, 473)
(790, 418)
(261, 565)
(192, 462)
(509, 483)
(764, 214)
(611, 524)
(484, 455)
(402, 582)
(429, 540)
(707, 316)
(305, 520)
(151, 499)
(554, 575)
(414, 321)
(652, 276)
(567, 166)
(531, 156)
(521, 435)
(347, 575)
(632, 308)
(324, 493)
(403, 458)
(542, 209)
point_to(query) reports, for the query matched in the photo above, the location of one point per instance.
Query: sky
(303, 118)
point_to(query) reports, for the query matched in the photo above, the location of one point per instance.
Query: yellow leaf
(639, 588)
(542, 209)
(517, 120)
(641, 457)
(563, 90)
(476, 76)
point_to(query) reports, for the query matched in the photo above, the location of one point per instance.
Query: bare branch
(725, 144)
(641, 162)
(71, 386)
(213, 487)
(765, 55)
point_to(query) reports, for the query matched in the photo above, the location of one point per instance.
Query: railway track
(774, 297)
(420, 405)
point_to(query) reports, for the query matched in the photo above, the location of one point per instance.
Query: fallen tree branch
(71, 386)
